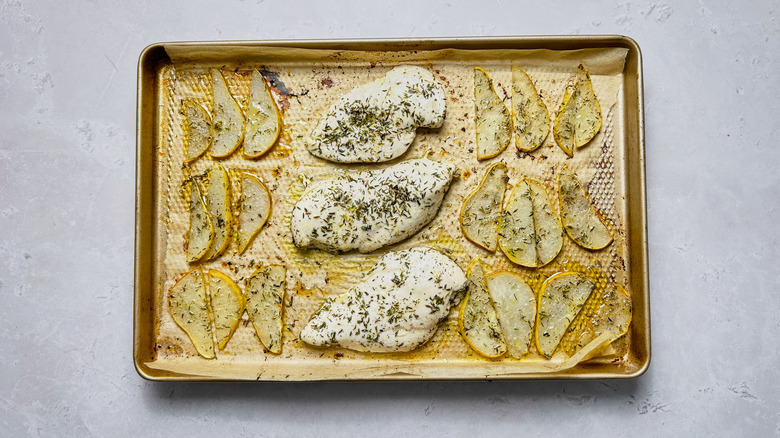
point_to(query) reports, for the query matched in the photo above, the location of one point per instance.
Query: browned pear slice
(530, 116)
(482, 208)
(197, 124)
(493, 120)
(581, 220)
(218, 204)
(579, 116)
(560, 300)
(530, 233)
(477, 321)
(515, 306)
(201, 232)
(228, 119)
(263, 119)
(254, 211)
(227, 306)
(264, 293)
(188, 304)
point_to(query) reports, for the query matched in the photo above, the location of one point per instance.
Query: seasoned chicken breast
(396, 307)
(370, 209)
(377, 121)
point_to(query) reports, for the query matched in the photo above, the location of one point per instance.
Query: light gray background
(67, 144)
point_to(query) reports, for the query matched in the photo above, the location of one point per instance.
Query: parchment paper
(306, 82)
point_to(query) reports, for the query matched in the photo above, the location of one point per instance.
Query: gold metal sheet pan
(308, 76)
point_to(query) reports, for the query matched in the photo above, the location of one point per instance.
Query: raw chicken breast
(377, 121)
(370, 209)
(396, 307)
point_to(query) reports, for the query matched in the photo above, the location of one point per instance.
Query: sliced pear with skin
(218, 204)
(481, 209)
(560, 300)
(612, 318)
(197, 124)
(493, 120)
(264, 294)
(565, 121)
(530, 232)
(515, 306)
(228, 119)
(254, 211)
(530, 117)
(227, 306)
(579, 116)
(477, 321)
(263, 119)
(615, 314)
(516, 235)
(580, 218)
(189, 307)
(201, 232)
(588, 120)
(547, 226)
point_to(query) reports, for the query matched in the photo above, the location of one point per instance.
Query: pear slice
(613, 317)
(560, 300)
(197, 124)
(189, 307)
(565, 121)
(516, 235)
(530, 117)
(515, 306)
(547, 226)
(218, 203)
(264, 294)
(588, 121)
(201, 232)
(254, 211)
(530, 232)
(477, 321)
(263, 119)
(615, 314)
(482, 208)
(579, 116)
(493, 120)
(227, 306)
(581, 220)
(228, 119)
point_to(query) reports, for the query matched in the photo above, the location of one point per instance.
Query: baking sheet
(306, 81)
